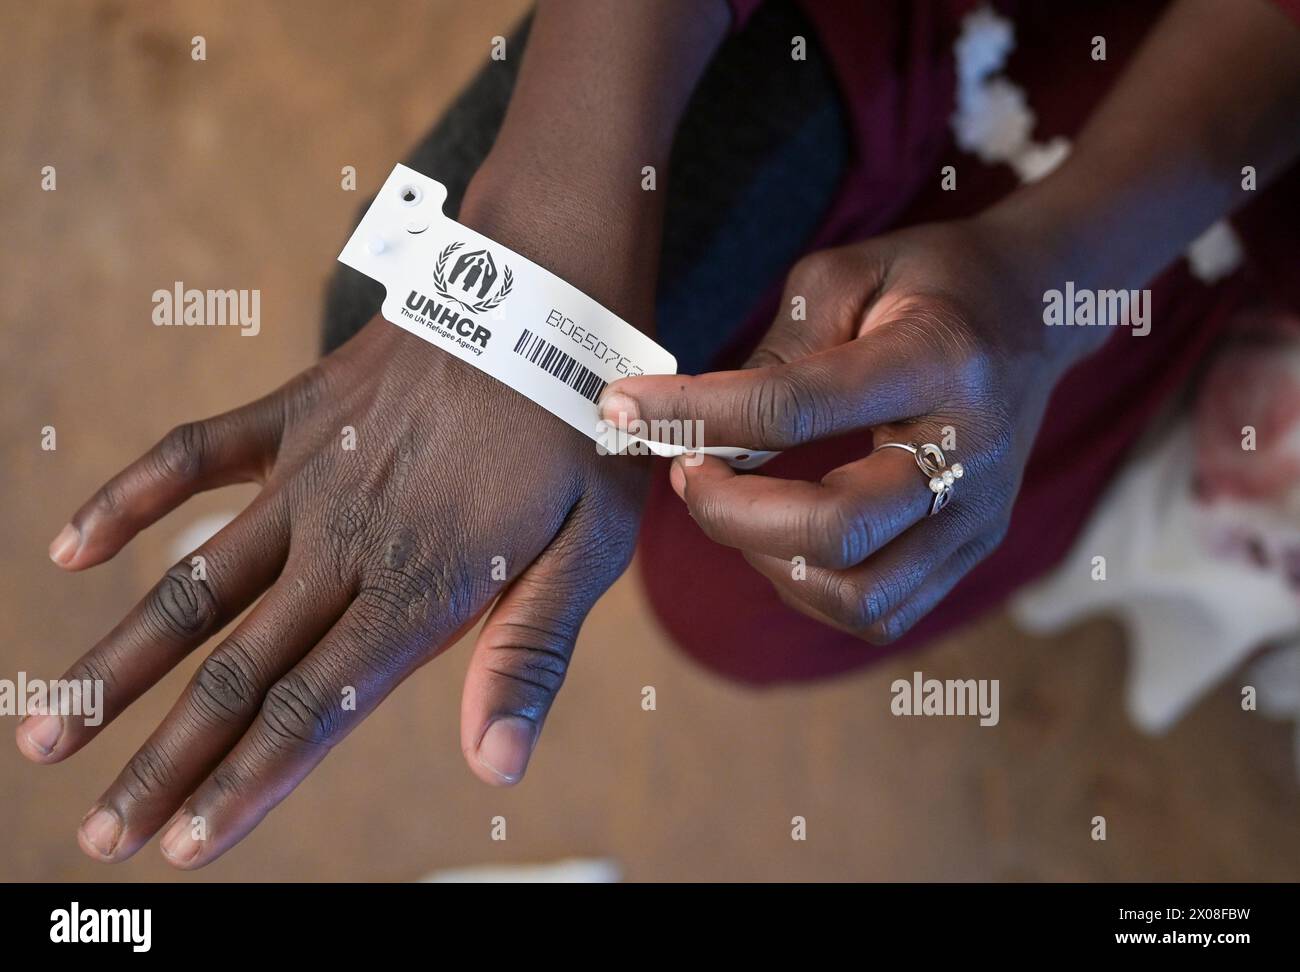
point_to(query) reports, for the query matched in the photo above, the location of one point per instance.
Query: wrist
(581, 343)
(438, 384)
(1041, 250)
(601, 237)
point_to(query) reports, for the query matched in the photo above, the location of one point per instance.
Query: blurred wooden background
(225, 173)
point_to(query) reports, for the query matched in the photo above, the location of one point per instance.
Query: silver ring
(930, 460)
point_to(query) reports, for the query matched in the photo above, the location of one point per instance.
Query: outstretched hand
(368, 561)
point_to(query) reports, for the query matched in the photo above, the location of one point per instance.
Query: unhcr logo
(473, 279)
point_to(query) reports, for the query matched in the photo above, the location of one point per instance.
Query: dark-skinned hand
(367, 561)
(930, 335)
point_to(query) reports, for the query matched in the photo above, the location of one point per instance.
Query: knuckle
(838, 537)
(96, 667)
(850, 604)
(232, 779)
(804, 273)
(183, 605)
(713, 514)
(225, 686)
(535, 674)
(108, 499)
(295, 712)
(866, 602)
(890, 629)
(532, 656)
(779, 410)
(148, 773)
(180, 453)
(815, 272)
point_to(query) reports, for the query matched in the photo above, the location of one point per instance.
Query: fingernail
(677, 477)
(101, 830)
(65, 545)
(178, 844)
(43, 732)
(616, 407)
(506, 747)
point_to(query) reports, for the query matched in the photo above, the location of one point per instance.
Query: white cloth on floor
(1193, 616)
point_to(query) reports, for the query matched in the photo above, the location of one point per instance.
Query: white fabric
(1192, 617)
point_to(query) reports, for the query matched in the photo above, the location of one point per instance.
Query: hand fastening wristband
(503, 314)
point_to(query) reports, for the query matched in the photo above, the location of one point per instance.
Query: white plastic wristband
(505, 315)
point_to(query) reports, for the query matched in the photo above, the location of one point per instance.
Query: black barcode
(549, 358)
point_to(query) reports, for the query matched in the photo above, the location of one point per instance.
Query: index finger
(883, 376)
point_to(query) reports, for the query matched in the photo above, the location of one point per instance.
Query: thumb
(522, 654)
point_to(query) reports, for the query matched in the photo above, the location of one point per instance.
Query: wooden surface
(225, 173)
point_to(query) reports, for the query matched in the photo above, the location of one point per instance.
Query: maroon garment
(894, 61)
